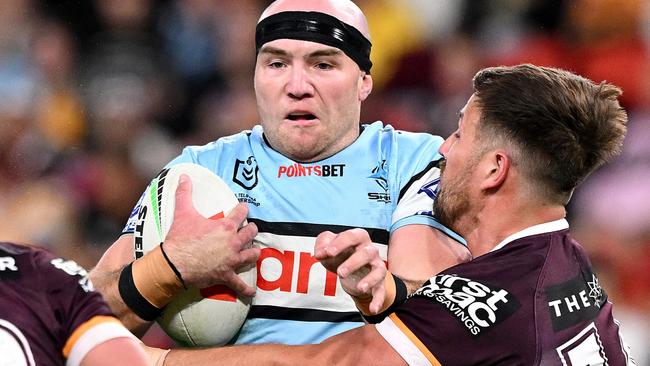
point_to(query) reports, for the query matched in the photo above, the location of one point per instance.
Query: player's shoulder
(27, 266)
(12, 249)
(521, 280)
(15, 260)
(27, 260)
(28, 255)
(243, 137)
(235, 141)
(386, 133)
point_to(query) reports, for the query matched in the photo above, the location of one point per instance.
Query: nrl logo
(245, 173)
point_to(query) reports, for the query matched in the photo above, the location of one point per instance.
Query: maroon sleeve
(457, 318)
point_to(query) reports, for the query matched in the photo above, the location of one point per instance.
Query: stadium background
(95, 96)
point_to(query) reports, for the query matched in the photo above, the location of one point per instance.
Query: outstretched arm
(356, 347)
(105, 277)
(117, 351)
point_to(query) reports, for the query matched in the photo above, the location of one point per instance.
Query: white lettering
(475, 307)
(583, 297)
(556, 306)
(496, 297)
(572, 303)
(473, 303)
(461, 298)
(449, 280)
(73, 269)
(8, 263)
(476, 289)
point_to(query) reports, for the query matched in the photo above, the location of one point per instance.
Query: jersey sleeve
(85, 319)
(452, 320)
(419, 176)
(421, 334)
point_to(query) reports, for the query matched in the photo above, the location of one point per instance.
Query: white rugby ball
(196, 317)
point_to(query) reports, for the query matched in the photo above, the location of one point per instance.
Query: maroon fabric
(44, 303)
(519, 305)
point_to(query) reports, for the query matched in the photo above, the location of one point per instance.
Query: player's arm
(105, 276)
(198, 252)
(103, 340)
(88, 329)
(117, 351)
(417, 252)
(357, 347)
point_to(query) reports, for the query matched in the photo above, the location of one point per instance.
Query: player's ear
(365, 86)
(494, 169)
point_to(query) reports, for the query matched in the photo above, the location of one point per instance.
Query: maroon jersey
(533, 301)
(49, 312)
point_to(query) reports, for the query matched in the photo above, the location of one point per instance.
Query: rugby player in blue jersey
(309, 167)
(527, 137)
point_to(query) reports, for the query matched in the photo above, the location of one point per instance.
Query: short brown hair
(562, 126)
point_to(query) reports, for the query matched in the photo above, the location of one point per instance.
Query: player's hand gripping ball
(195, 317)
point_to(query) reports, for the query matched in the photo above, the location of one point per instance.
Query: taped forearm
(396, 293)
(149, 283)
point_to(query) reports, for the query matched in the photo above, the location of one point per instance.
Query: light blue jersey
(386, 179)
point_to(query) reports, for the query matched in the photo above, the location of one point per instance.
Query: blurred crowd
(96, 96)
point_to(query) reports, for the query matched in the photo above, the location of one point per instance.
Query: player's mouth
(301, 117)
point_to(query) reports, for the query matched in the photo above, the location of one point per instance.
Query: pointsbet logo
(299, 170)
(476, 305)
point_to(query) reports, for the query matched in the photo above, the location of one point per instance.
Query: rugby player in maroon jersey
(50, 314)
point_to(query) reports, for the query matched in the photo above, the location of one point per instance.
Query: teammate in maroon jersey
(50, 314)
(526, 138)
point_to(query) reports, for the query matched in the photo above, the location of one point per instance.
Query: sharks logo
(379, 175)
(245, 173)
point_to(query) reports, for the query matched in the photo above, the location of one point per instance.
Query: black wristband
(172, 266)
(400, 296)
(133, 298)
